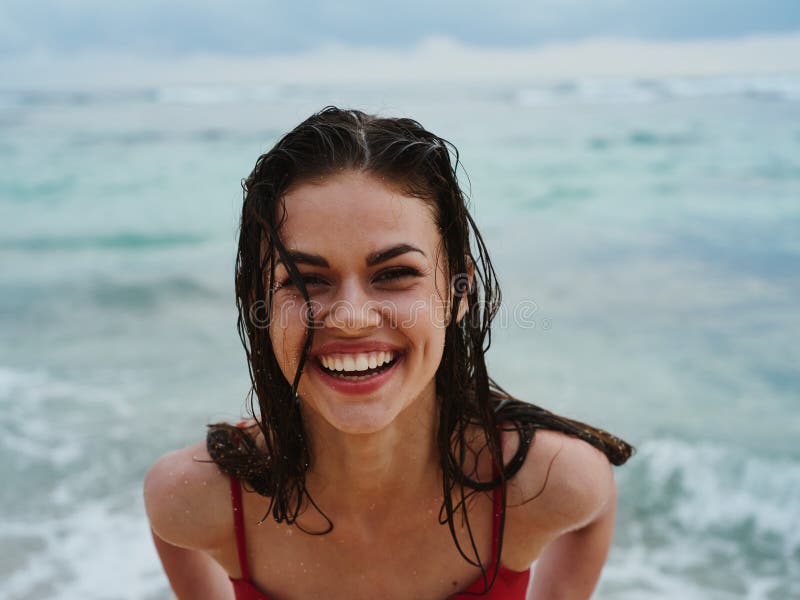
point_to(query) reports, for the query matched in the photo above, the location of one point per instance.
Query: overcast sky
(249, 27)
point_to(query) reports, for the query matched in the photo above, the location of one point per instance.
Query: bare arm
(570, 566)
(187, 504)
(193, 574)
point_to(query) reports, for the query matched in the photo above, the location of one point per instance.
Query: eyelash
(398, 273)
(393, 274)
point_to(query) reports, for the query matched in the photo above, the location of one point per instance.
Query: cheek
(423, 313)
(287, 332)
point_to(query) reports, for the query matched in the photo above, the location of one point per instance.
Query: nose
(353, 309)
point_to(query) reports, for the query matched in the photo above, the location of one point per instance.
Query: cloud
(181, 27)
(434, 60)
(12, 38)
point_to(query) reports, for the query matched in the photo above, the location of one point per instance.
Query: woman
(390, 463)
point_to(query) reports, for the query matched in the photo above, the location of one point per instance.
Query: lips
(349, 385)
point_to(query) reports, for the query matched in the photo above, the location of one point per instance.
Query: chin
(359, 418)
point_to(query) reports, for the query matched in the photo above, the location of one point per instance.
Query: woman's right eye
(307, 279)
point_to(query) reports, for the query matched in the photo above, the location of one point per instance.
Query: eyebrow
(300, 257)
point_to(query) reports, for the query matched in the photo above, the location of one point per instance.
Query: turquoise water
(646, 236)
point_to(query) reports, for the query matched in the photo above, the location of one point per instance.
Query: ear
(463, 304)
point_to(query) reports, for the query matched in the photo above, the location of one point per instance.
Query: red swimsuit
(509, 585)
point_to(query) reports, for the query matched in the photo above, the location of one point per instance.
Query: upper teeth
(356, 362)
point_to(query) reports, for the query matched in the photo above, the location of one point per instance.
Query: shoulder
(188, 499)
(564, 483)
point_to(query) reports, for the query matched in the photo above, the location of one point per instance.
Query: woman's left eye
(399, 273)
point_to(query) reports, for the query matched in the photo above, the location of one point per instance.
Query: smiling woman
(390, 463)
(379, 272)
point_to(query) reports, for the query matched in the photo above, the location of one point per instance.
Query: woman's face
(369, 257)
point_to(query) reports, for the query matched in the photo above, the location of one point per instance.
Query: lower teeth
(355, 378)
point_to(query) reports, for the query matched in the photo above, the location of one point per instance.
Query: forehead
(353, 212)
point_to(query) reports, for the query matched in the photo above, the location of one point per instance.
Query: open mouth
(359, 375)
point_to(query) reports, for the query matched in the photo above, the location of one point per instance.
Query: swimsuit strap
(497, 497)
(498, 511)
(238, 523)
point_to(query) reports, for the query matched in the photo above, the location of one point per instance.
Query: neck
(366, 477)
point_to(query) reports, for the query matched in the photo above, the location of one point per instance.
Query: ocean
(646, 236)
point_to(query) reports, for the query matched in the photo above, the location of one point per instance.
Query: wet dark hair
(424, 166)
